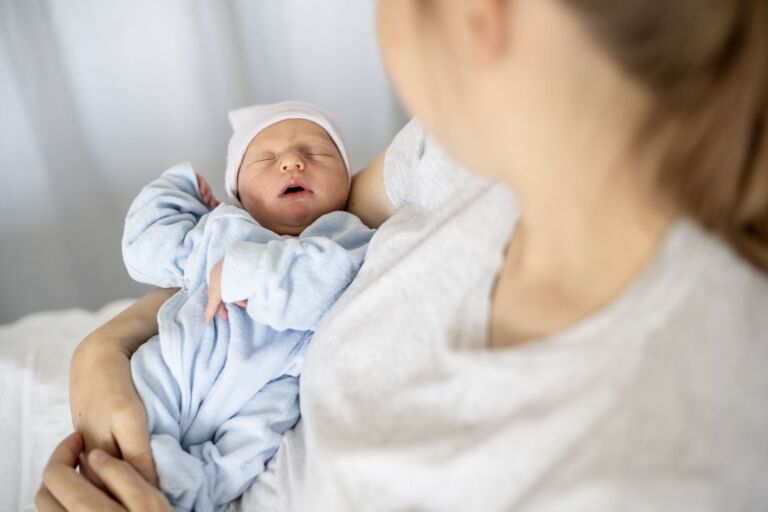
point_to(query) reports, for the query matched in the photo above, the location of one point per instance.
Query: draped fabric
(98, 97)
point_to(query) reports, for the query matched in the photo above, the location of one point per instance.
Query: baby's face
(291, 174)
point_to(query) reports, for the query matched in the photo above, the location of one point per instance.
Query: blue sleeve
(162, 227)
(291, 282)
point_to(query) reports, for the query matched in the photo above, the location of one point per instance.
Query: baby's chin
(292, 217)
(292, 222)
(300, 213)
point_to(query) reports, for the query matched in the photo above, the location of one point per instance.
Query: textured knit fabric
(654, 403)
(219, 395)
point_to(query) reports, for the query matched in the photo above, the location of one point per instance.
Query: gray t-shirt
(657, 402)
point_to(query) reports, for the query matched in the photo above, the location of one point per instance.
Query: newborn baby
(221, 389)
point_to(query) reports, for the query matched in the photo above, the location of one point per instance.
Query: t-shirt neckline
(646, 301)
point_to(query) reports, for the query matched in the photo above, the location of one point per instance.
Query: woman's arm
(130, 328)
(367, 198)
(106, 409)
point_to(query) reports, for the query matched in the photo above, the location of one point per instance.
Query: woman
(597, 343)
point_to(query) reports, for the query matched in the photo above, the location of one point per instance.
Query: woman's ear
(488, 25)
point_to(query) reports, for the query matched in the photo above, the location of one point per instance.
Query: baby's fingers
(211, 308)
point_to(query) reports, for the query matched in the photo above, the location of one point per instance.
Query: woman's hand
(63, 488)
(106, 408)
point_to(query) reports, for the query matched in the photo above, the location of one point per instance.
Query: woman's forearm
(105, 407)
(130, 328)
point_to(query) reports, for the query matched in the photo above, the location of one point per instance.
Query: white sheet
(34, 402)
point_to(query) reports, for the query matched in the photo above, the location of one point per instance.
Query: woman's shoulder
(721, 319)
(696, 291)
(730, 281)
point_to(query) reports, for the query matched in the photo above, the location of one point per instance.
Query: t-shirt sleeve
(418, 172)
(400, 162)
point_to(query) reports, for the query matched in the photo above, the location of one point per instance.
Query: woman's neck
(578, 245)
(558, 122)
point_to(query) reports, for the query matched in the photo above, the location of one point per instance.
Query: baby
(220, 380)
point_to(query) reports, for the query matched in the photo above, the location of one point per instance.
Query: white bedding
(34, 405)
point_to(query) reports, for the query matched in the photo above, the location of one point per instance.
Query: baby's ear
(240, 116)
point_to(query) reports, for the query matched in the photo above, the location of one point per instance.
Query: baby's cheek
(255, 203)
(341, 196)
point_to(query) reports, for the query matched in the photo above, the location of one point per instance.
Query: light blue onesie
(219, 396)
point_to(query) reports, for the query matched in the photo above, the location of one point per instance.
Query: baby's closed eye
(266, 157)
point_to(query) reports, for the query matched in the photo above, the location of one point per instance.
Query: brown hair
(706, 63)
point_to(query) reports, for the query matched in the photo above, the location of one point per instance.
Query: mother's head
(540, 92)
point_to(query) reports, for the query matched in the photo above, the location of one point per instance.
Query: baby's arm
(289, 283)
(163, 225)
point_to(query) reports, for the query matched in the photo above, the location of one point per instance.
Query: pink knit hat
(247, 122)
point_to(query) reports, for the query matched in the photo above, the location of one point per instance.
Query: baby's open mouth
(295, 188)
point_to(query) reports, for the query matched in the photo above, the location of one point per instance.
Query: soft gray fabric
(657, 402)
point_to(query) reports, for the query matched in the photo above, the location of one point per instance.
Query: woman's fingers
(89, 443)
(45, 502)
(67, 488)
(126, 484)
(63, 454)
(133, 438)
(64, 489)
(92, 441)
(66, 453)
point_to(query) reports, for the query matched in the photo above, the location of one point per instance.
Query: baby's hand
(206, 194)
(215, 306)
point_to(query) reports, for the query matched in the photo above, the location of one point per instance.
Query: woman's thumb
(133, 439)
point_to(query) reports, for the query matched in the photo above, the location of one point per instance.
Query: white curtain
(97, 97)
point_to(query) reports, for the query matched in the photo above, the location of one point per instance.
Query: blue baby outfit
(219, 395)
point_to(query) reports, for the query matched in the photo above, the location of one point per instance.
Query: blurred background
(98, 97)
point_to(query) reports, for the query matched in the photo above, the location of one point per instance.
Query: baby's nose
(292, 162)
